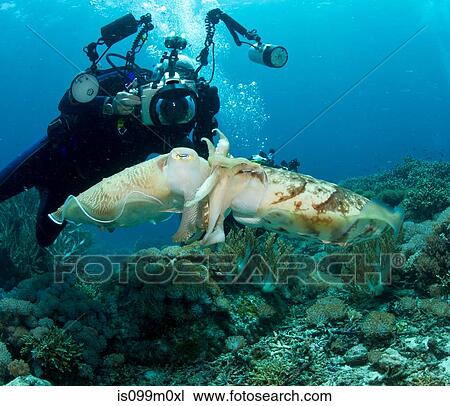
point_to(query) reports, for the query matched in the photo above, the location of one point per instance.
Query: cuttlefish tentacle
(217, 189)
(223, 146)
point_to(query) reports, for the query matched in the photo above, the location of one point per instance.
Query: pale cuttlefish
(292, 204)
(148, 192)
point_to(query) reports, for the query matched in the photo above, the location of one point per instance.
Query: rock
(29, 380)
(391, 360)
(356, 355)
(349, 376)
(445, 366)
(444, 344)
(154, 377)
(417, 344)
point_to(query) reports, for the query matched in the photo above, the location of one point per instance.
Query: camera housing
(170, 102)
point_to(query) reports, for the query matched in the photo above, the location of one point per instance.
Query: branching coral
(257, 258)
(271, 372)
(17, 242)
(17, 225)
(432, 264)
(240, 245)
(421, 187)
(369, 271)
(56, 352)
(5, 359)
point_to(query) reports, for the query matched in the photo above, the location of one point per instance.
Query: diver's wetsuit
(83, 146)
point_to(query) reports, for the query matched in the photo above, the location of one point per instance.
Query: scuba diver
(115, 118)
(268, 159)
(292, 165)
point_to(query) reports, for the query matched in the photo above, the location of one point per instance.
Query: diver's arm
(96, 107)
(123, 104)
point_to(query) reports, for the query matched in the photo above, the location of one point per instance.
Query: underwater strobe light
(85, 88)
(273, 56)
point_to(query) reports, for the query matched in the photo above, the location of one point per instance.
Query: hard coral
(56, 352)
(17, 224)
(378, 325)
(5, 359)
(326, 310)
(270, 372)
(18, 368)
(432, 264)
(421, 187)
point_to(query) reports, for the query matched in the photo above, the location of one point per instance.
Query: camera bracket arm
(234, 27)
(212, 19)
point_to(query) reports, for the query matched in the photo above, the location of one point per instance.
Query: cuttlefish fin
(88, 208)
(378, 211)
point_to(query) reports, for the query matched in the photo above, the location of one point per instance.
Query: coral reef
(233, 316)
(378, 325)
(422, 188)
(431, 265)
(54, 351)
(20, 255)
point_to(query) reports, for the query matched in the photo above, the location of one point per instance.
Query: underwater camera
(171, 102)
(173, 99)
(169, 92)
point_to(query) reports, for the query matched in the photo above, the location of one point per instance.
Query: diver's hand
(124, 103)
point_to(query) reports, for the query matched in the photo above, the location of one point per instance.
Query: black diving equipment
(85, 87)
(169, 95)
(170, 101)
(175, 42)
(118, 30)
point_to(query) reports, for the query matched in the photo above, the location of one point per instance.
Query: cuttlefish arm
(221, 187)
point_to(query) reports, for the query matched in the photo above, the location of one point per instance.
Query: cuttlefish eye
(182, 156)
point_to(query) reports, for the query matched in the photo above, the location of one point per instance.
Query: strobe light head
(119, 29)
(84, 88)
(273, 56)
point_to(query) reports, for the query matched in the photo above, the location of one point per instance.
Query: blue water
(400, 109)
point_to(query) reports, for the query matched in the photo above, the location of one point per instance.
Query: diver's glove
(124, 103)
